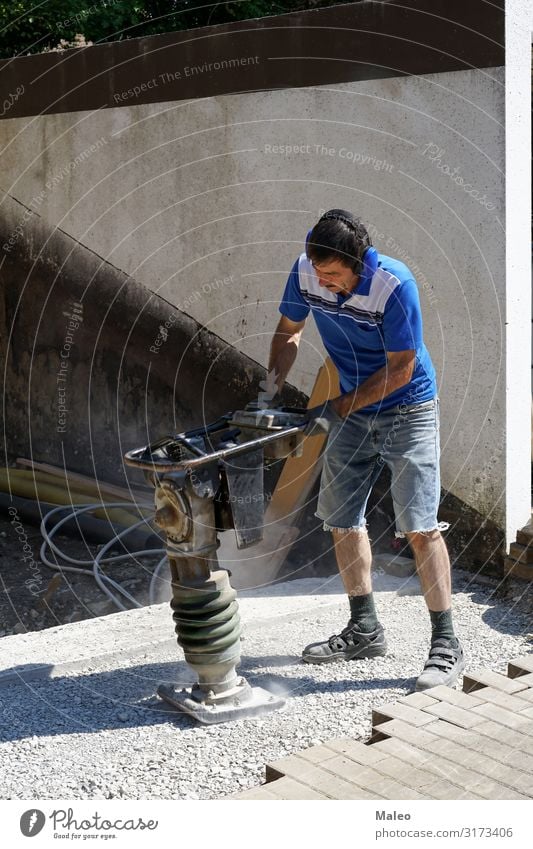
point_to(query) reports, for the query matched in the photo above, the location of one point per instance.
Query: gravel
(79, 719)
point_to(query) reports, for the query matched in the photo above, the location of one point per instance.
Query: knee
(354, 539)
(421, 540)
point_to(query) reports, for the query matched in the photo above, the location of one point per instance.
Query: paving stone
(397, 710)
(508, 718)
(488, 678)
(287, 788)
(520, 665)
(317, 754)
(324, 781)
(359, 752)
(373, 780)
(454, 715)
(417, 700)
(505, 700)
(454, 697)
(447, 760)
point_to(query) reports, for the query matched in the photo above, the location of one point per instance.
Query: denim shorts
(407, 440)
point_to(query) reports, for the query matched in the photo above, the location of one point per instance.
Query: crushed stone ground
(79, 719)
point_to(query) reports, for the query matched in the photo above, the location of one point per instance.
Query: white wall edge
(518, 38)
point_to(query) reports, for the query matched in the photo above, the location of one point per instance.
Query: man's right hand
(267, 391)
(282, 355)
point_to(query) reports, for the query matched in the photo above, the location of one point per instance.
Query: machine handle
(138, 459)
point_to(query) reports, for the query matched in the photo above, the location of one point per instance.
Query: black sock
(442, 625)
(363, 613)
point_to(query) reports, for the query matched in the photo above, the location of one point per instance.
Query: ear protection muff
(369, 262)
(364, 265)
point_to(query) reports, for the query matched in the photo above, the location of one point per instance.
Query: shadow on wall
(95, 364)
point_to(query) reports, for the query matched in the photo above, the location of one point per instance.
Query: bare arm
(284, 348)
(396, 373)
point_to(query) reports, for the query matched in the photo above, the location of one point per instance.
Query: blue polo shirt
(382, 314)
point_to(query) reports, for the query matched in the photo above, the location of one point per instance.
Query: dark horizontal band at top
(339, 44)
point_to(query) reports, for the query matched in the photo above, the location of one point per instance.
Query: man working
(367, 311)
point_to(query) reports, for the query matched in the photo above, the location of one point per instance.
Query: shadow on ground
(125, 698)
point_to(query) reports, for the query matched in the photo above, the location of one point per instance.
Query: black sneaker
(444, 665)
(350, 644)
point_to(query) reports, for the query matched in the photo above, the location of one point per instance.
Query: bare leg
(433, 567)
(364, 636)
(354, 561)
(446, 659)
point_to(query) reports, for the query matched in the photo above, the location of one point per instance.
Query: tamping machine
(209, 480)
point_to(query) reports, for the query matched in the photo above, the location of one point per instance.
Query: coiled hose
(85, 566)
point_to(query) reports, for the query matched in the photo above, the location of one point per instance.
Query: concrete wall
(207, 203)
(79, 387)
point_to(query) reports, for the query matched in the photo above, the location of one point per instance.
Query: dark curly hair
(338, 235)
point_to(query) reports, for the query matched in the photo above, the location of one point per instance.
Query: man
(367, 311)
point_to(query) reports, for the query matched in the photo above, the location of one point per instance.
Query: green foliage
(30, 26)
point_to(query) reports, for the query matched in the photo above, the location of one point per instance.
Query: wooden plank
(119, 493)
(447, 756)
(488, 678)
(320, 779)
(520, 666)
(299, 473)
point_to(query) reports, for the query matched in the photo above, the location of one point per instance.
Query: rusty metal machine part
(172, 511)
(199, 492)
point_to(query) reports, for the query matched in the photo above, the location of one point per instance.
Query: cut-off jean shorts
(407, 440)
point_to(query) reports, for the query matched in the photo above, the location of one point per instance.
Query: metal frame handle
(139, 460)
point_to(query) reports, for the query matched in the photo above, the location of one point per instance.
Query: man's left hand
(320, 419)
